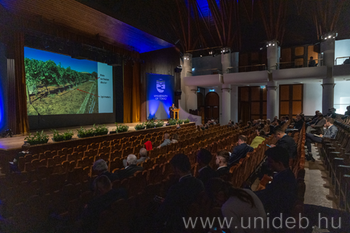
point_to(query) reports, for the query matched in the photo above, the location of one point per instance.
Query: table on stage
(174, 113)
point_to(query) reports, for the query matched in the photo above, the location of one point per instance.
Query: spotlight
(210, 52)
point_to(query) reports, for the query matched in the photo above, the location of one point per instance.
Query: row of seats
(335, 154)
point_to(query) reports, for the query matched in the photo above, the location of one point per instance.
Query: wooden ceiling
(79, 17)
(190, 25)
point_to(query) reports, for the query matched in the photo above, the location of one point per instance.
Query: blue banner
(160, 95)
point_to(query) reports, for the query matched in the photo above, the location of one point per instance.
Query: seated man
(258, 139)
(330, 132)
(281, 194)
(298, 124)
(179, 197)
(286, 142)
(318, 125)
(239, 151)
(131, 167)
(100, 168)
(331, 113)
(105, 197)
(312, 62)
(347, 113)
(314, 118)
(205, 172)
(221, 161)
(166, 141)
(143, 157)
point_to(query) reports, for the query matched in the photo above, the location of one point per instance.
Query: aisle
(315, 179)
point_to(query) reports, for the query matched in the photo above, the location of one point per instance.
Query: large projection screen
(59, 85)
(160, 96)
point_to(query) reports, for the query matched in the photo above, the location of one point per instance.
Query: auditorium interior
(89, 95)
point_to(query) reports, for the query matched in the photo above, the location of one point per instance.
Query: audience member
(105, 197)
(312, 62)
(205, 172)
(175, 138)
(298, 124)
(143, 157)
(286, 142)
(239, 151)
(237, 205)
(179, 197)
(249, 124)
(14, 163)
(130, 168)
(280, 195)
(267, 127)
(330, 132)
(222, 159)
(100, 167)
(258, 139)
(347, 113)
(331, 113)
(148, 145)
(166, 141)
(318, 125)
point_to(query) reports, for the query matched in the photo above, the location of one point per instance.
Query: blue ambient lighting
(211, 90)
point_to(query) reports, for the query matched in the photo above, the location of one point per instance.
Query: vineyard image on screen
(59, 84)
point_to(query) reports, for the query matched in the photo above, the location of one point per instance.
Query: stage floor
(16, 141)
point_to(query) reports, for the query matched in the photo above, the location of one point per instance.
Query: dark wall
(162, 61)
(118, 93)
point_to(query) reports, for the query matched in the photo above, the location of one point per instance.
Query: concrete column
(234, 103)
(271, 99)
(189, 93)
(273, 55)
(225, 60)
(327, 48)
(225, 103)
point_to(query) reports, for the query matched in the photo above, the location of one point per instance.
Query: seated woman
(258, 139)
(238, 205)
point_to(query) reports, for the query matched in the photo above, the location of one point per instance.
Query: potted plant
(100, 130)
(186, 121)
(160, 124)
(57, 137)
(83, 133)
(150, 124)
(37, 138)
(180, 122)
(172, 122)
(121, 128)
(140, 126)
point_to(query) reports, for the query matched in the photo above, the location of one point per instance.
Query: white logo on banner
(160, 86)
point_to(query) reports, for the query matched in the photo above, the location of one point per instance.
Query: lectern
(174, 113)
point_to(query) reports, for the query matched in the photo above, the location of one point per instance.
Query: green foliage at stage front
(57, 137)
(37, 138)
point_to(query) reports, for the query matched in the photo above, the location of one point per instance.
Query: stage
(16, 141)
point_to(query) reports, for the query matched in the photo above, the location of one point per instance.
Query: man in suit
(171, 109)
(239, 151)
(331, 113)
(205, 172)
(330, 132)
(143, 157)
(298, 124)
(318, 125)
(179, 197)
(222, 162)
(105, 196)
(281, 194)
(131, 167)
(286, 142)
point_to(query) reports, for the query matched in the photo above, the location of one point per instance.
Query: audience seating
(335, 154)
